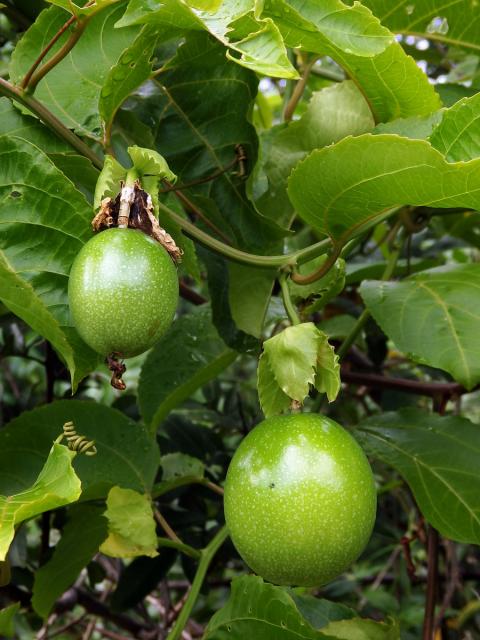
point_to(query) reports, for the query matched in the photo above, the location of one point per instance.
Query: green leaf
(331, 114)
(263, 51)
(7, 615)
(260, 46)
(178, 465)
(272, 399)
(446, 486)
(186, 358)
(126, 456)
(454, 22)
(417, 127)
(364, 177)
(332, 26)
(457, 136)
(358, 629)
(292, 361)
(394, 86)
(69, 90)
(257, 609)
(133, 67)
(45, 222)
(445, 298)
(56, 485)
(320, 612)
(81, 538)
(131, 525)
(150, 162)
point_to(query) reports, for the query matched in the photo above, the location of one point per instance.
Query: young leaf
(263, 51)
(99, 48)
(150, 162)
(126, 455)
(444, 298)
(82, 536)
(446, 487)
(187, 357)
(327, 379)
(292, 356)
(108, 183)
(272, 399)
(56, 485)
(131, 525)
(364, 177)
(292, 361)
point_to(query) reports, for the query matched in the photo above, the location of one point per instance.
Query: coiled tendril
(78, 443)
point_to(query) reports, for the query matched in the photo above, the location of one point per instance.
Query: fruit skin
(123, 292)
(300, 499)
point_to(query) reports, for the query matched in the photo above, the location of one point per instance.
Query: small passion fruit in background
(123, 292)
(300, 500)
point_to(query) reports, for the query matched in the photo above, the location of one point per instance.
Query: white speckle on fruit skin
(300, 499)
(123, 292)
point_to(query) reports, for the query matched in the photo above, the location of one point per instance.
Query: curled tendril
(78, 443)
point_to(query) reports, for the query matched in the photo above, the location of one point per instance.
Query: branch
(432, 585)
(430, 389)
(206, 558)
(231, 253)
(180, 546)
(321, 271)
(55, 38)
(298, 91)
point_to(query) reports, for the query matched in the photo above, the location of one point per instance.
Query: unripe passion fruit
(300, 499)
(123, 292)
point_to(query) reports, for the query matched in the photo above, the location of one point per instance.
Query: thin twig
(193, 183)
(417, 387)
(42, 55)
(166, 527)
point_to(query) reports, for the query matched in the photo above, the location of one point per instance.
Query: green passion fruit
(123, 292)
(300, 500)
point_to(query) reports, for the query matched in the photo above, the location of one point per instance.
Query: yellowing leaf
(56, 485)
(131, 525)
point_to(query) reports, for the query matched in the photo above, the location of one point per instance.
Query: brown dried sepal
(118, 369)
(141, 217)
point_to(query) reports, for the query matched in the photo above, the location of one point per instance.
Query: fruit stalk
(127, 196)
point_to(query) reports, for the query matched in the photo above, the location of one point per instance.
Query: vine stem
(268, 262)
(362, 320)
(287, 300)
(321, 271)
(47, 117)
(206, 557)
